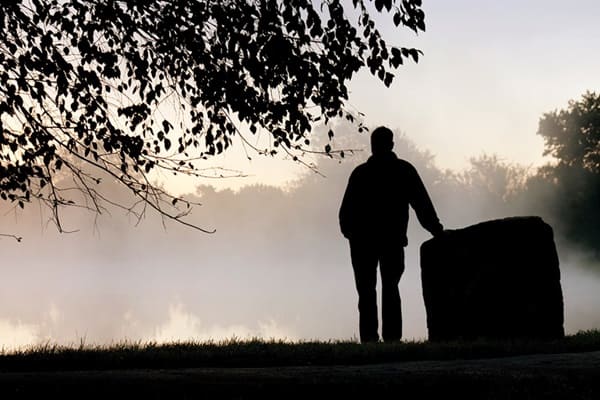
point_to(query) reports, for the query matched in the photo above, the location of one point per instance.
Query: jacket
(375, 204)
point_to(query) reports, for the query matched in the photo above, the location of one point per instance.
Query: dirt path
(552, 376)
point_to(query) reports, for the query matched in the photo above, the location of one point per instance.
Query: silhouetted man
(374, 218)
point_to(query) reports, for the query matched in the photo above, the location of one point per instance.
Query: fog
(277, 266)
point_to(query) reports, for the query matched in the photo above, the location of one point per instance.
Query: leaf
(396, 59)
(414, 54)
(166, 126)
(387, 80)
(379, 5)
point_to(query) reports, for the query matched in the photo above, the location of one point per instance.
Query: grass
(260, 353)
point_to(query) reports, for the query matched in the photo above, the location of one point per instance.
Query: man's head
(382, 140)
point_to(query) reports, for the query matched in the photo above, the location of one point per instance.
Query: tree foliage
(91, 90)
(572, 137)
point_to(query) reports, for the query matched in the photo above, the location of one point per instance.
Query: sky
(490, 70)
(277, 265)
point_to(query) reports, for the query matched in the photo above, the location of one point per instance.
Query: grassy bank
(260, 353)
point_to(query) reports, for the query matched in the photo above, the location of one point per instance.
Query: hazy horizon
(277, 267)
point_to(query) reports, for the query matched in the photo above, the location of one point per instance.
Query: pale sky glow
(489, 72)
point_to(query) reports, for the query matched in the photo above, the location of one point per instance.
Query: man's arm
(421, 203)
(347, 207)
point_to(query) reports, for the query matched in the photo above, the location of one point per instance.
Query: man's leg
(392, 267)
(364, 263)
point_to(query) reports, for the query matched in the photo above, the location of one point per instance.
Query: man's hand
(439, 231)
(443, 233)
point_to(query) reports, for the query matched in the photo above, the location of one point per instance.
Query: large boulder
(496, 279)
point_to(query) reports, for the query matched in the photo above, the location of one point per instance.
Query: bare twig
(17, 238)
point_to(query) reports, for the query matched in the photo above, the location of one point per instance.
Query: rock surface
(496, 279)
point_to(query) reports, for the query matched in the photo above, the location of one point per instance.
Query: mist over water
(277, 267)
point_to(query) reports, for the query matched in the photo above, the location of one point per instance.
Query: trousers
(366, 255)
